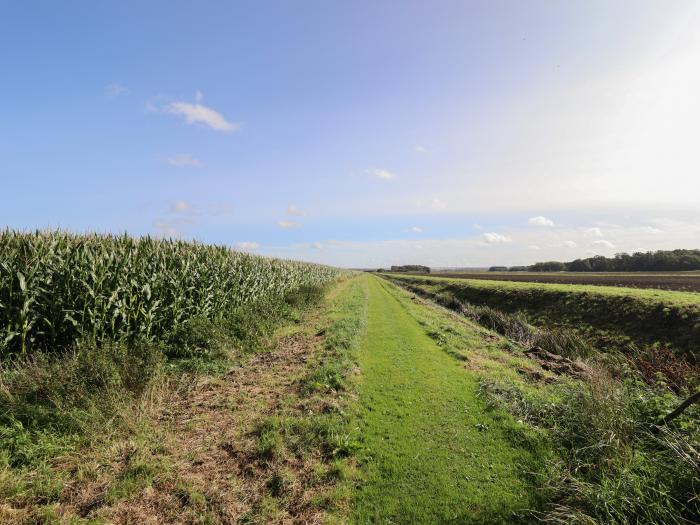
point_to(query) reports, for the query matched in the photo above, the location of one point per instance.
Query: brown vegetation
(687, 282)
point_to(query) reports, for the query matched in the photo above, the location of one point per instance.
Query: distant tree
(498, 269)
(658, 261)
(579, 265)
(517, 269)
(411, 268)
(548, 266)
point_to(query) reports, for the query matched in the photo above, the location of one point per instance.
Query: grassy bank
(609, 316)
(615, 462)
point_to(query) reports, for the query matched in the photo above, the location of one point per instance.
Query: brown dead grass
(198, 449)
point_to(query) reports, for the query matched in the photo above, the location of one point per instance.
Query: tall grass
(560, 341)
(615, 465)
(57, 288)
(90, 324)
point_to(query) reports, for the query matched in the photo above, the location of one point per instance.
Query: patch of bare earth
(203, 444)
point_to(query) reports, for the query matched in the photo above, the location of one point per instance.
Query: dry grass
(192, 450)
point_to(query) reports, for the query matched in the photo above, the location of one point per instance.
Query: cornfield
(57, 288)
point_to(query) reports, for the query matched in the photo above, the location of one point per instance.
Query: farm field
(350, 263)
(682, 281)
(252, 390)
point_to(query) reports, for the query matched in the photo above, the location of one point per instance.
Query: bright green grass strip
(433, 453)
(647, 294)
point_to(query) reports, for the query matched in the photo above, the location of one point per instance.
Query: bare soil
(685, 282)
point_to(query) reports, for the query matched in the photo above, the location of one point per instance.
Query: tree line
(656, 261)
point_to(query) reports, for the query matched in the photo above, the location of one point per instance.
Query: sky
(358, 134)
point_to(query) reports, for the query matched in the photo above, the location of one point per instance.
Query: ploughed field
(681, 281)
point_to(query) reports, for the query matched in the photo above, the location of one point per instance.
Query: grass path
(433, 453)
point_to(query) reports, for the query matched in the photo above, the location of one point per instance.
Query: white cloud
(114, 90)
(317, 245)
(247, 246)
(184, 160)
(181, 207)
(382, 173)
(540, 221)
(496, 238)
(420, 149)
(199, 113)
(437, 204)
(651, 229)
(287, 225)
(416, 229)
(531, 245)
(603, 243)
(593, 232)
(294, 210)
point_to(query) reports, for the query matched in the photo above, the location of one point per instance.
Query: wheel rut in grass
(432, 452)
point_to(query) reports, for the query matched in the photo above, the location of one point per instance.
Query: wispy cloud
(317, 245)
(199, 113)
(569, 244)
(593, 232)
(416, 229)
(184, 160)
(114, 90)
(603, 243)
(437, 204)
(496, 238)
(420, 149)
(181, 207)
(540, 221)
(247, 246)
(287, 225)
(292, 209)
(382, 173)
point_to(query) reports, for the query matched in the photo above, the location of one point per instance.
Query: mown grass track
(433, 453)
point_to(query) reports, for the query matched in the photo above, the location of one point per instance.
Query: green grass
(432, 452)
(670, 297)
(612, 318)
(54, 406)
(610, 464)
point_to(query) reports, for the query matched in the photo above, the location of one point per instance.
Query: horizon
(454, 135)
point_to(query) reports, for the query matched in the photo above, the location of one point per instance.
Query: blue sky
(358, 133)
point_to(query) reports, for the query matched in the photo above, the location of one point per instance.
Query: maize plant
(56, 287)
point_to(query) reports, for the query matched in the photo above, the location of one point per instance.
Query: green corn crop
(56, 288)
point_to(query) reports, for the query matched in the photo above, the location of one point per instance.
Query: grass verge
(614, 464)
(54, 407)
